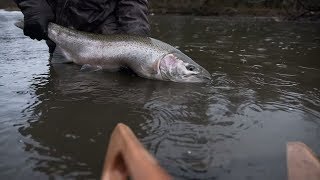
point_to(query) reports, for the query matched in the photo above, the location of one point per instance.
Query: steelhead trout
(145, 56)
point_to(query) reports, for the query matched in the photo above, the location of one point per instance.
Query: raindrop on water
(261, 49)
(243, 61)
(281, 65)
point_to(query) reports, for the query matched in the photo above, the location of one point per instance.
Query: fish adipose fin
(19, 24)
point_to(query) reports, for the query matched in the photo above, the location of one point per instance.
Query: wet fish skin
(109, 52)
(147, 57)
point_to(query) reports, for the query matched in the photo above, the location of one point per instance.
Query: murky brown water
(55, 120)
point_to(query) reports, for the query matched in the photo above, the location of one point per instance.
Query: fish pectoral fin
(90, 68)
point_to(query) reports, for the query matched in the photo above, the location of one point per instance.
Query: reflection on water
(56, 120)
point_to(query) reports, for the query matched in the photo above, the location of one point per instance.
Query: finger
(32, 35)
(38, 36)
(26, 32)
(29, 33)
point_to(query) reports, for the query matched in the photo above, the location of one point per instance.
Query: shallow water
(55, 120)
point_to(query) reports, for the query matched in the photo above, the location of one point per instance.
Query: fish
(145, 56)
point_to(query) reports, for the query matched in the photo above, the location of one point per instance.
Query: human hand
(36, 26)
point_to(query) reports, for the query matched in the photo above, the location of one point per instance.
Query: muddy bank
(8, 5)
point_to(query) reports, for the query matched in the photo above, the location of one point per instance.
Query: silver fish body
(147, 57)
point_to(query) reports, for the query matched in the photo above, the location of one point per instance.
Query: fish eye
(190, 67)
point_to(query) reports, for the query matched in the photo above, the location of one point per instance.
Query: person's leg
(133, 17)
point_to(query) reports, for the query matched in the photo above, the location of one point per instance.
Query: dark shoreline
(278, 14)
(11, 9)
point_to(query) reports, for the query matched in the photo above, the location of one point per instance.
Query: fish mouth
(199, 79)
(172, 68)
(206, 78)
(203, 76)
(206, 75)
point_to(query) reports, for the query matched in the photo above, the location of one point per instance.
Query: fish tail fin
(19, 24)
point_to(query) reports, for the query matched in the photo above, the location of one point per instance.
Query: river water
(55, 120)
